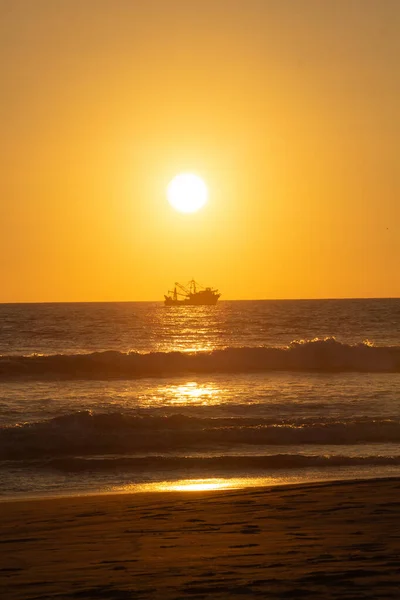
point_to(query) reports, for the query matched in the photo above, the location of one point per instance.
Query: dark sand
(328, 540)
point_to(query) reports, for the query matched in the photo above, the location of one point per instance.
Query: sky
(288, 109)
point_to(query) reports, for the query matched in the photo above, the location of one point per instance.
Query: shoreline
(201, 484)
(324, 539)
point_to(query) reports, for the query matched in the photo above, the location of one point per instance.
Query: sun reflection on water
(192, 392)
(193, 349)
(180, 392)
(198, 485)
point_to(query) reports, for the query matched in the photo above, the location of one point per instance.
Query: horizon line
(158, 301)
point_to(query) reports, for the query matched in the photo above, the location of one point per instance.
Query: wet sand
(327, 540)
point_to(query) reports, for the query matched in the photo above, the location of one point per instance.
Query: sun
(187, 193)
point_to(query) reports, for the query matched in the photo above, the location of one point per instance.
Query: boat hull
(192, 294)
(191, 301)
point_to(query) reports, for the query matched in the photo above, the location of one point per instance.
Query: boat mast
(186, 291)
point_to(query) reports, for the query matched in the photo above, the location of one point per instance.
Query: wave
(322, 355)
(206, 465)
(88, 434)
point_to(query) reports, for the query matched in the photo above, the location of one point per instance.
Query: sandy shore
(330, 540)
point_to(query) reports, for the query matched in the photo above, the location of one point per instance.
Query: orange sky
(288, 109)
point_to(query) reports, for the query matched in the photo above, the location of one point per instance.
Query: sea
(135, 396)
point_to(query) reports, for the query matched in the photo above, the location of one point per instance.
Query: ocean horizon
(103, 397)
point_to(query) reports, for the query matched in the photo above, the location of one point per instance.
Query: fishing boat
(191, 294)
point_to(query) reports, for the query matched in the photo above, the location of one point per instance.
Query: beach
(200, 300)
(241, 461)
(320, 540)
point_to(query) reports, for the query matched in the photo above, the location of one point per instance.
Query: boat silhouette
(191, 294)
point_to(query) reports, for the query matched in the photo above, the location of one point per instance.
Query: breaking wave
(323, 355)
(211, 464)
(86, 434)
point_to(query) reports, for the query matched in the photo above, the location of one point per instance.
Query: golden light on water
(179, 393)
(201, 485)
(187, 193)
(187, 485)
(193, 393)
(212, 484)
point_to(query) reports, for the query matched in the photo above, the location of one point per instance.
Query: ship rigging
(191, 294)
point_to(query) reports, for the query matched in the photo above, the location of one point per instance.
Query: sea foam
(89, 434)
(322, 355)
